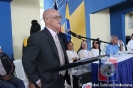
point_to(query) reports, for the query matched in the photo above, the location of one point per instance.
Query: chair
(19, 71)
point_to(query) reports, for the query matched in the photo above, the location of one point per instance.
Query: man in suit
(45, 51)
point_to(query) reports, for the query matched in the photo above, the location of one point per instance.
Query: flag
(107, 70)
(56, 8)
(67, 24)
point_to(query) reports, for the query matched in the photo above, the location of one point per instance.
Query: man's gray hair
(113, 37)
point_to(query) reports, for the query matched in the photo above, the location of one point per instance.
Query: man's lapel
(51, 41)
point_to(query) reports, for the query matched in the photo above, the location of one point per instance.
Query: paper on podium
(77, 63)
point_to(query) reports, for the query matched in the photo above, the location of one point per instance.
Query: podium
(80, 75)
(80, 70)
(77, 63)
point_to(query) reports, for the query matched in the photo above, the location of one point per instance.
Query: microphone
(73, 34)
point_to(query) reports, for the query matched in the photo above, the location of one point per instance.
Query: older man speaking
(45, 51)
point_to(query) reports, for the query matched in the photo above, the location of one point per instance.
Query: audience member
(113, 48)
(35, 27)
(95, 48)
(83, 52)
(7, 78)
(72, 55)
(130, 43)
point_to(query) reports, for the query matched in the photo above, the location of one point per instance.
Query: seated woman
(95, 48)
(83, 52)
(72, 55)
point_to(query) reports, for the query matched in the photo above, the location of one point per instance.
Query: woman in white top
(95, 48)
(83, 52)
(72, 55)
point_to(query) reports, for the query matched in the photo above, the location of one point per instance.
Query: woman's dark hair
(35, 27)
(67, 44)
(81, 46)
(93, 47)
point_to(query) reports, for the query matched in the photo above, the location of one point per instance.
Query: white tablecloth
(121, 58)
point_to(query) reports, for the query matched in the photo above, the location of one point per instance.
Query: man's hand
(121, 45)
(120, 42)
(39, 85)
(7, 77)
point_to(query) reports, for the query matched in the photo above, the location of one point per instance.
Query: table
(125, 72)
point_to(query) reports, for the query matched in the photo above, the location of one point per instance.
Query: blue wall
(117, 19)
(98, 5)
(5, 28)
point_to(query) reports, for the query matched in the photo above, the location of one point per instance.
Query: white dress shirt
(71, 54)
(130, 44)
(52, 33)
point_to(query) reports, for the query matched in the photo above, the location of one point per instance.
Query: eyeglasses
(56, 17)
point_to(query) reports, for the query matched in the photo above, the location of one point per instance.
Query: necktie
(60, 53)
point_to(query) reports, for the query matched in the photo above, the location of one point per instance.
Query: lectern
(80, 70)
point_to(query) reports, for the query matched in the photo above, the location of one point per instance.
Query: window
(130, 20)
(41, 13)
